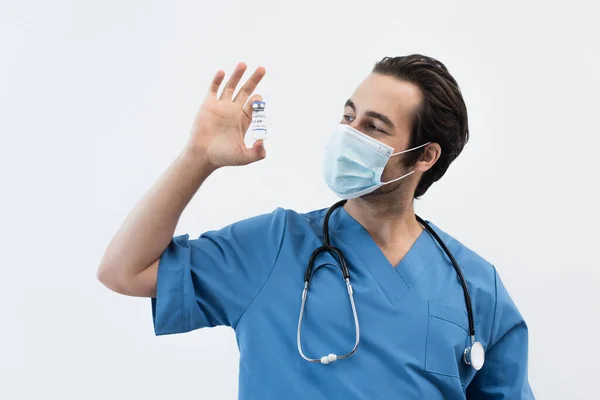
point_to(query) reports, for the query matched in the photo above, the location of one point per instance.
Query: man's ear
(430, 155)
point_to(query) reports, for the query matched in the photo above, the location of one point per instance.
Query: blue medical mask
(354, 162)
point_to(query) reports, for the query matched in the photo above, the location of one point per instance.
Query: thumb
(256, 153)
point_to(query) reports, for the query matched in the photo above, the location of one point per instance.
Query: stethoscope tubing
(337, 253)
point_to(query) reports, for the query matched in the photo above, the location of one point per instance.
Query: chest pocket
(447, 338)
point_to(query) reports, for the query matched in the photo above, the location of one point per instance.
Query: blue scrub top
(413, 319)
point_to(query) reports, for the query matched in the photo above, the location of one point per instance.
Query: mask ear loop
(397, 179)
(407, 150)
(402, 152)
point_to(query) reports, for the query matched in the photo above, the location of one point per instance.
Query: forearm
(149, 227)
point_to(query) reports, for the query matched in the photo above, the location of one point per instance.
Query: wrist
(198, 159)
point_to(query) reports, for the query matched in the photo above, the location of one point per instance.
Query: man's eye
(349, 118)
(376, 128)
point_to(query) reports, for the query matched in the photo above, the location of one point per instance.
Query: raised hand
(221, 123)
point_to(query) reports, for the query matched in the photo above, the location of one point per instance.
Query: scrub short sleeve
(504, 373)
(211, 280)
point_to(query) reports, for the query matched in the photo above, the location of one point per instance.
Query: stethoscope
(473, 355)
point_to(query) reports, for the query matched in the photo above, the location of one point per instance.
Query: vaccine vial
(259, 120)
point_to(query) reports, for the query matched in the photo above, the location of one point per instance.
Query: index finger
(250, 85)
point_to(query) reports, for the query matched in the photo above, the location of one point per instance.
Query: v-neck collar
(395, 281)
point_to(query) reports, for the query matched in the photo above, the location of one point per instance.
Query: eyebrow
(373, 114)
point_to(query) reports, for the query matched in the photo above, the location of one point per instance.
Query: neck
(392, 225)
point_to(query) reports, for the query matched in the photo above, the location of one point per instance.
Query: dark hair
(441, 117)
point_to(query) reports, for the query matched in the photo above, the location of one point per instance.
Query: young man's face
(382, 107)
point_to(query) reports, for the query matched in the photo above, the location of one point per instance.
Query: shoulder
(493, 305)
(309, 218)
(282, 214)
(275, 223)
(481, 277)
(479, 271)
(292, 219)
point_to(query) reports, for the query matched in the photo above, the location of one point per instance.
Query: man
(400, 130)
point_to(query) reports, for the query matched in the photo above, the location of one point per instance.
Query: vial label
(259, 125)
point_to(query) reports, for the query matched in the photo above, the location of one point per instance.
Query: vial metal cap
(258, 104)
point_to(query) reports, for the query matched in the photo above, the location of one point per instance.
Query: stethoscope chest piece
(475, 356)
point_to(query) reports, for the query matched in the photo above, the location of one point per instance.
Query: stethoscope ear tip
(328, 359)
